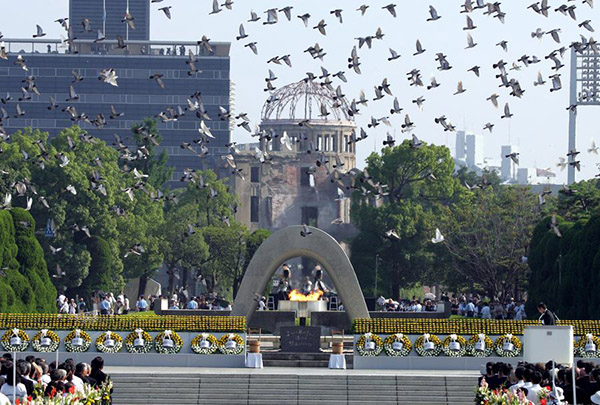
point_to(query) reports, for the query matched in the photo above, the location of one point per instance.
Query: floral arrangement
(397, 345)
(428, 345)
(369, 345)
(588, 346)
(454, 346)
(168, 342)
(138, 341)
(77, 341)
(508, 346)
(484, 395)
(231, 343)
(480, 345)
(205, 343)
(89, 396)
(45, 341)
(15, 340)
(466, 326)
(109, 342)
(147, 321)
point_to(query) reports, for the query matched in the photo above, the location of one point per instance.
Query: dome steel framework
(297, 101)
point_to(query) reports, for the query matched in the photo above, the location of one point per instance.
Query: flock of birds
(346, 179)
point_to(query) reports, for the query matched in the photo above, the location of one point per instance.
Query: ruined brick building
(302, 124)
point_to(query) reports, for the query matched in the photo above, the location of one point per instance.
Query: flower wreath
(397, 345)
(109, 342)
(45, 341)
(451, 349)
(503, 346)
(369, 345)
(430, 351)
(588, 346)
(168, 342)
(138, 341)
(226, 347)
(77, 341)
(480, 345)
(205, 343)
(15, 340)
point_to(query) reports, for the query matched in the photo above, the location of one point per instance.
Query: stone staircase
(266, 388)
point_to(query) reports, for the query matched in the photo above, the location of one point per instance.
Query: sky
(540, 123)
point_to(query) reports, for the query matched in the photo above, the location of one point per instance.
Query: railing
(105, 47)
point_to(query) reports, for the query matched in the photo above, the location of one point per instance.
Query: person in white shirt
(381, 303)
(486, 313)
(4, 400)
(9, 390)
(262, 305)
(519, 375)
(532, 395)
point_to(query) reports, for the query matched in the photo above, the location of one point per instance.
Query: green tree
(487, 236)
(147, 138)
(31, 262)
(406, 191)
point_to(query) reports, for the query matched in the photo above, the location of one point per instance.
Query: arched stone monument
(286, 244)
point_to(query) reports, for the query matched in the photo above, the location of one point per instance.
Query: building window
(254, 208)
(334, 143)
(346, 145)
(255, 174)
(326, 143)
(304, 176)
(310, 216)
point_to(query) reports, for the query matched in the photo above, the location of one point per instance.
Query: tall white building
(461, 145)
(508, 167)
(475, 152)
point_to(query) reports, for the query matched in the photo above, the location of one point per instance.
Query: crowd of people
(211, 302)
(530, 379)
(406, 305)
(35, 378)
(475, 307)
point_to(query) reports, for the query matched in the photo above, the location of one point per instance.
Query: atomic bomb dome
(306, 100)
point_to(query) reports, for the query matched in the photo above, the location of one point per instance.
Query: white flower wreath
(369, 345)
(138, 341)
(109, 342)
(508, 346)
(454, 346)
(480, 345)
(15, 340)
(397, 345)
(588, 347)
(168, 342)
(77, 341)
(428, 345)
(205, 343)
(231, 343)
(45, 341)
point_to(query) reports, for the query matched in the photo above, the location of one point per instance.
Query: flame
(296, 295)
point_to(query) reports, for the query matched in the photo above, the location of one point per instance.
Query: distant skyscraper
(475, 151)
(107, 16)
(507, 171)
(461, 145)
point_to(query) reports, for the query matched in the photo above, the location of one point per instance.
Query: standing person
(97, 373)
(141, 306)
(547, 318)
(104, 306)
(126, 307)
(81, 306)
(72, 307)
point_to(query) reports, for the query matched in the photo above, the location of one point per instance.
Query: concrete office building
(51, 62)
